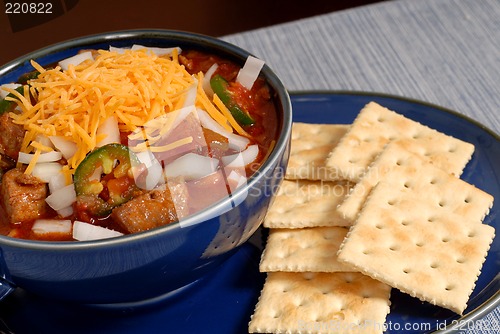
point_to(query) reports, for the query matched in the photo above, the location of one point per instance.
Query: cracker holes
(445, 239)
(406, 270)
(405, 223)
(471, 234)
(431, 219)
(285, 289)
(449, 287)
(460, 260)
(300, 302)
(442, 204)
(420, 244)
(366, 294)
(416, 135)
(391, 202)
(394, 248)
(467, 200)
(348, 279)
(433, 181)
(434, 265)
(326, 291)
(364, 252)
(308, 276)
(452, 149)
(276, 315)
(407, 185)
(368, 139)
(320, 319)
(379, 226)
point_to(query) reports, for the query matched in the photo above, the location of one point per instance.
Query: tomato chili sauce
(258, 102)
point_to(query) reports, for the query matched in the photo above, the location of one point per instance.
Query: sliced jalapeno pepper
(220, 87)
(115, 188)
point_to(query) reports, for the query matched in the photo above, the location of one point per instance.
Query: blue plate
(224, 301)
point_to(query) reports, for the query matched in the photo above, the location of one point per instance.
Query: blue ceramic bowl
(144, 266)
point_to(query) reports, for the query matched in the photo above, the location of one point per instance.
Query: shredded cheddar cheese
(218, 102)
(134, 86)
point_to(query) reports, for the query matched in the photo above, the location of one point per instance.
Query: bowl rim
(214, 209)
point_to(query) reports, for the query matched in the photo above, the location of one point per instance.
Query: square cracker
(304, 203)
(397, 154)
(312, 249)
(418, 238)
(321, 303)
(375, 126)
(311, 144)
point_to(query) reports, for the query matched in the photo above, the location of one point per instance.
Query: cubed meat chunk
(11, 136)
(23, 196)
(155, 208)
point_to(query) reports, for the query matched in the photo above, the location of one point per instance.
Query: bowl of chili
(121, 194)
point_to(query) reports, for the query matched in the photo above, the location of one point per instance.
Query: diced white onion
(62, 198)
(249, 72)
(56, 182)
(51, 156)
(241, 159)
(3, 92)
(109, 128)
(206, 80)
(45, 171)
(44, 140)
(65, 146)
(183, 113)
(191, 94)
(75, 60)
(235, 141)
(236, 180)
(155, 50)
(86, 232)
(44, 226)
(117, 50)
(191, 166)
(65, 212)
(154, 171)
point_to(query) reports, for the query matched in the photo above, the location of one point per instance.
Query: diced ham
(218, 145)
(189, 127)
(23, 196)
(153, 209)
(206, 191)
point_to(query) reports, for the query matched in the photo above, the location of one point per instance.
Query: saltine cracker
(375, 126)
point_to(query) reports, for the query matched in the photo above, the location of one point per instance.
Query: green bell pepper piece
(220, 87)
(7, 105)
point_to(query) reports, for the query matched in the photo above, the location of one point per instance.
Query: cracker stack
(307, 290)
(401, 217)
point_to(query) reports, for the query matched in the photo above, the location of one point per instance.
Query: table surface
(445, 52)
